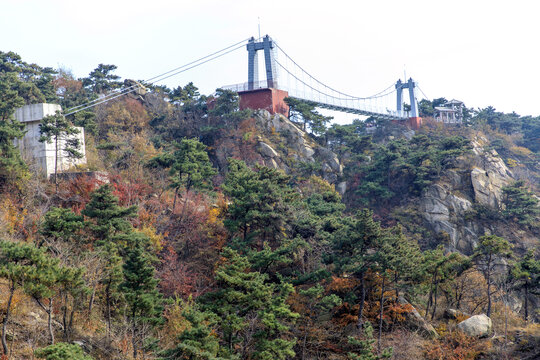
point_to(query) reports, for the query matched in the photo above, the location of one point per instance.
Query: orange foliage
(342, 285)
(456, 346)
(76, 192)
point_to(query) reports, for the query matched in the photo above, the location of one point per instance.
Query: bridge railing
(357, 105)
(263, 84)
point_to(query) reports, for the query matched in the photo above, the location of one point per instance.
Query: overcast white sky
(481, 52)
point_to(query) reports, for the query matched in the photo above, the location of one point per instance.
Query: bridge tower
(267, 45)
(414, 120)
(259, 95)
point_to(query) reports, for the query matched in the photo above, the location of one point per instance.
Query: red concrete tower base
(415, 122)
(269, 99)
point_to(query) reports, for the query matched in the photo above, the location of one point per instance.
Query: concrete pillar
(253, 64)
(399, 93)
(412, 95)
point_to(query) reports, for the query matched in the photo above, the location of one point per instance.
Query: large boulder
(477, 325)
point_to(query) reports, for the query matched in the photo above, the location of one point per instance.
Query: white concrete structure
(43, 153)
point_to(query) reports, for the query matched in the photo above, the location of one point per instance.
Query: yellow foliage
(155, 239)
(520, 151)
(511, 163)
(213, 216)
(11, 217)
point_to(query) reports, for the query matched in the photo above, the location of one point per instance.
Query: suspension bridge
(285, 78)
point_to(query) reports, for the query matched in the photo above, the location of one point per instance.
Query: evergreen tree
(351, 250)
(364, 349)
(59, 129)
(12, 168)
(198, 341)
(439, 268)
(107, 218)
(19, 264)
(260, 201)
(486, 253)
(25, 266)
(141, 294)
(526, 276)
(520, 203)
(62, 351)
(189, 167)
(60, 225)
(253, 314)
(102, 79)
(114, 235)
(304, 112)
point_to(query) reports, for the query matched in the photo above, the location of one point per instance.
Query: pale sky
(481, 52)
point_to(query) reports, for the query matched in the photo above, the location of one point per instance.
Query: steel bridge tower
(411, 86)
(267, 45)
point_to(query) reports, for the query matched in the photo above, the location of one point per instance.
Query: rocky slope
(283, 145)
(475, 182)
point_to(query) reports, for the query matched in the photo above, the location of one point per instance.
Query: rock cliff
(283, 145)
(475, 181)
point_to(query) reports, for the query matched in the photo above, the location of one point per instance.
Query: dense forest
(197, 230)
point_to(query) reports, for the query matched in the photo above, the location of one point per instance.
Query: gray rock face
(477, 325)
(267, 150)
(477, 178)
(299, 146)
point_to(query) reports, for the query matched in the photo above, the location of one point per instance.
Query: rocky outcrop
(476, 178)
(415, 321)
(477, 325)
(297, 147)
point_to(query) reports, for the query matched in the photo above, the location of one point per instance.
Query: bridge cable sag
(159, 77)
(351, 97)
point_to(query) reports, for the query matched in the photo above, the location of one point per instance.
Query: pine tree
(526, 276)
(114, 234)
(108, 219)
(364, 349)
(486, 254)
(198, 341)
(62, 351)
(260, 202)
(141, 294)
(189, 167)
(25, 266)
(351, 255)
(520, 203)
(253, 314)
(12, 168)
(57, 128)
(60, 225)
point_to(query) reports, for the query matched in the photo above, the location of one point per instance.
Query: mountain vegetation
(197, 230)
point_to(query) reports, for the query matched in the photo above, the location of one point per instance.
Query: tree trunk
(64, 315)
(91, 302)
(435, 295)
(56, 164)
(133, 339)
(526, 315)
(360, 321)
(397, 287)
(381, 304)
(6, 319)
(185, 204)
(108, 304)
(488, 312)
(174, 201)
(49, 321)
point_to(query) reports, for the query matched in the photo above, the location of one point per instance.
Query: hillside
(197, 230)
